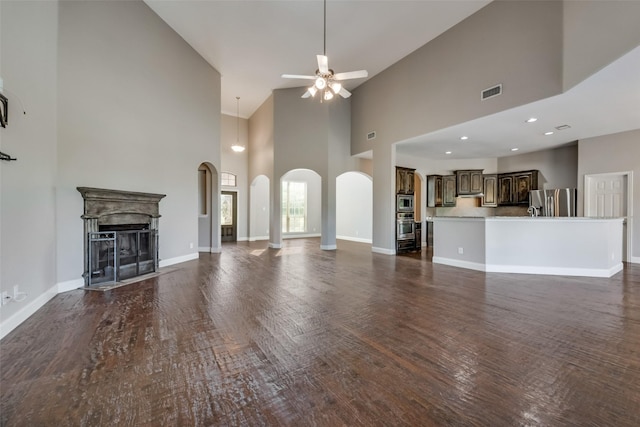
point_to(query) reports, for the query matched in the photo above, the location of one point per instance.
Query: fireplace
(121, 234)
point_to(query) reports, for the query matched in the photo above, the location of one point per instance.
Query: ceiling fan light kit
(325, 81)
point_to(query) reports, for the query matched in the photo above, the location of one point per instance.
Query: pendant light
(237, 147)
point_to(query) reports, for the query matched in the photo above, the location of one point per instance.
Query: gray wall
(311, 135)
(114, 99)
(595, 34)
(237, 164)
(613, 153)
(27, 186)
(142, 103)
(518, 44)
(558, 167)
(259, 219)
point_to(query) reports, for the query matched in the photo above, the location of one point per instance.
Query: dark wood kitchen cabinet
(469, 182)
(404, 180)
(434, 191)
(490, 190)
(448, 190)
(514, 187)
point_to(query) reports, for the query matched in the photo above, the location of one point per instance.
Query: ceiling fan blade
(351, 75)
(323, 64)
(344, 93)
(298, 76)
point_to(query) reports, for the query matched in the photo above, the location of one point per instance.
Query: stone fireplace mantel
(111, 210)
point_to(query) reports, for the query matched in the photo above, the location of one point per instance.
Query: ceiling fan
(326, 81)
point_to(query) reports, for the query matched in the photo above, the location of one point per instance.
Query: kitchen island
(573, 246)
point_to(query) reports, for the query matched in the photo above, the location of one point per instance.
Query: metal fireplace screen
(116, 255)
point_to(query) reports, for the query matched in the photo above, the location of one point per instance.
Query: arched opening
(354, 207)
(300, 204)
(208, 209)
(259, 209)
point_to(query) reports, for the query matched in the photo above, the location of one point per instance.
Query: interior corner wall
(608, 154)
(138, 110)
(596, 33)
(233, 129)
(27, 186)
(517, 44)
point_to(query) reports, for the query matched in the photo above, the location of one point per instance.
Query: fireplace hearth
(121, 234)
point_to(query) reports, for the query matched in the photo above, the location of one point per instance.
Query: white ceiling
(251, 43)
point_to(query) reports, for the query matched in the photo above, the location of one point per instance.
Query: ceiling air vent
(371, 135)
(491, 92)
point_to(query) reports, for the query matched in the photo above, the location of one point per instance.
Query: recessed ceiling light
(548, 133)
(531, 120)
(447, 152)
(464, 138)
(514, 149)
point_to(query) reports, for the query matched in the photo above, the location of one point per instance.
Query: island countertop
(576, 246)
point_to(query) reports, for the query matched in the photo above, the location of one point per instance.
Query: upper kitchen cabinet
(404, 180)
(448, 190)
(469, 182)
(490, 191)
(514, 187)
(434, 191)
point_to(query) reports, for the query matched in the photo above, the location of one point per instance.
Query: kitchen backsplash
(470, 206)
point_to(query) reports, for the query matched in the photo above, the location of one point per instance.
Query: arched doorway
(354, 207)
(208, 209)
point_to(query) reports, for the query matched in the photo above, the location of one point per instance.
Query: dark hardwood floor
(302, 337)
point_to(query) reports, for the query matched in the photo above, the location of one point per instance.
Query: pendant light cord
(237, 120)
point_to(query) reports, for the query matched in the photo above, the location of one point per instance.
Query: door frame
(234, 195)
(628, 176)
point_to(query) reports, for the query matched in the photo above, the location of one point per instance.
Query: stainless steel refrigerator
(554, 202)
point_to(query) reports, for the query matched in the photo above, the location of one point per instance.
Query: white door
(607, 196)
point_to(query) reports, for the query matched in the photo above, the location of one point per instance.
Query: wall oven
(404, 203)
(405, 226)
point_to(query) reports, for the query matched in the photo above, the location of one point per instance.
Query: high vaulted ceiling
(251, 43)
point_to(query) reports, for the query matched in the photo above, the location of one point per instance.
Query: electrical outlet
(460, 251)
(190, 245)
(5, 298)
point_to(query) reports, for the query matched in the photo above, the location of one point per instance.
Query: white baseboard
(634, 259)
(177, 260)
(275, 245)
(354, 239)
(70, 285)
(14, 321)
(204, 249)
(328, 247)
(242, 239)
(256, 238)
(459, 263)
(299, 236)
(383, 251)
(527, 269)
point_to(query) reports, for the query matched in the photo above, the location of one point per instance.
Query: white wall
(237, 164)
(27, 196)
(259, 209)
(613, 153)
(354, 207)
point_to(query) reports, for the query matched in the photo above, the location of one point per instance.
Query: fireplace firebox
(121, 234)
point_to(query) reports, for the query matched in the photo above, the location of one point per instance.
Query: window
(294, 207)
(228, 179)
(226, 212)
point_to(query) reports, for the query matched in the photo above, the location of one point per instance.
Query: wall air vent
(371, 135)
(491, 92)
